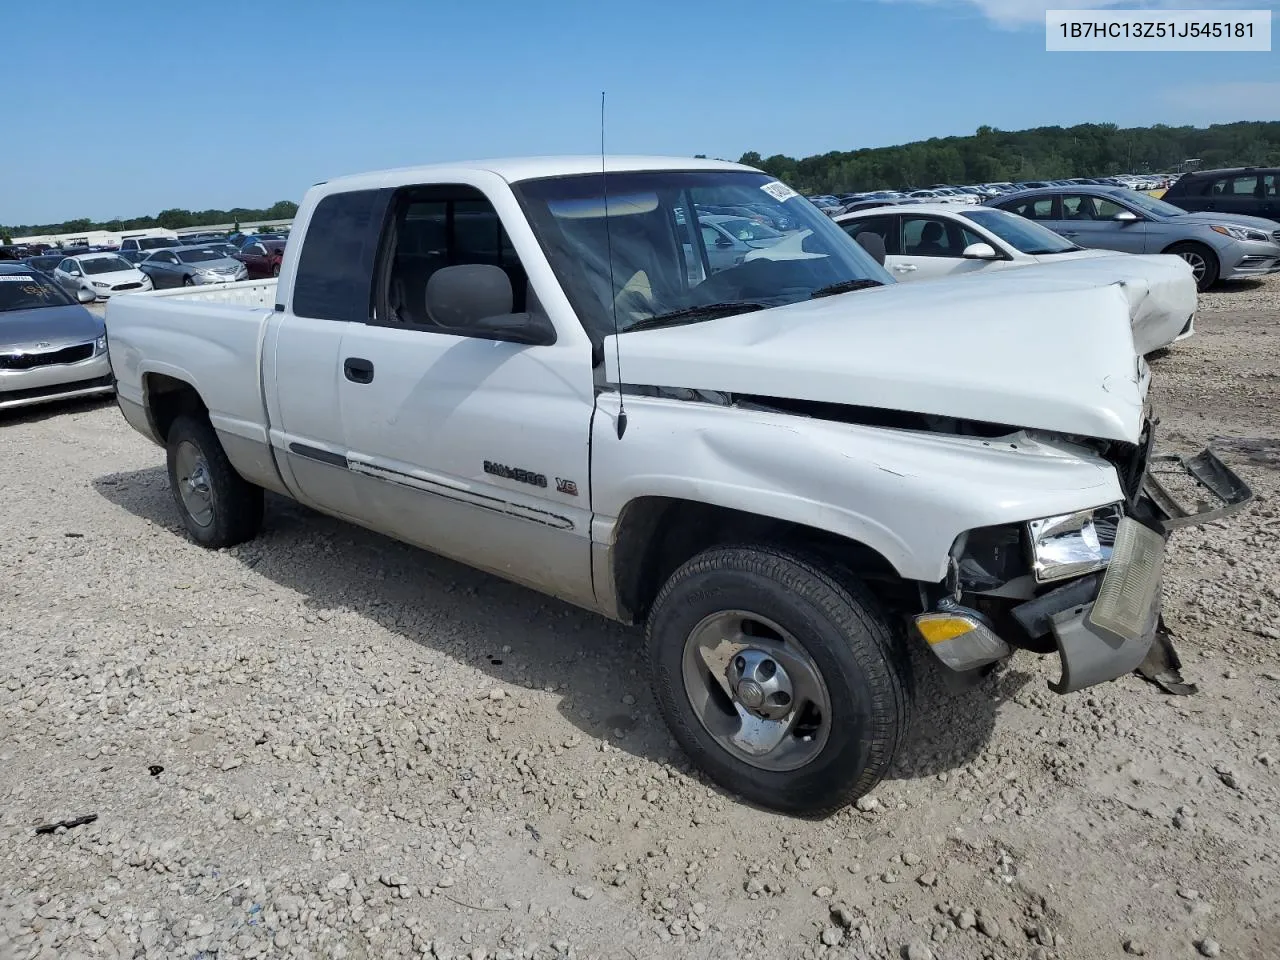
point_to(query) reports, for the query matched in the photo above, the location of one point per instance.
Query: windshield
(1149, 204)
(1020, 233)
(664, 265)
(154, 243)
(198, 256)
(105, 265)
(26, 291)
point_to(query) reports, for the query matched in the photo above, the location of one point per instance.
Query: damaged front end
(1085, 585)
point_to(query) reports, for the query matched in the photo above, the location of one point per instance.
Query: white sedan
(929, 241)
(102, 274)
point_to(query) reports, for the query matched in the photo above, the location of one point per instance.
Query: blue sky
(143, 106)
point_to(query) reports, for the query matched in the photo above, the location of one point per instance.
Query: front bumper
(1103, 624)
(22, 388)
(1257, 260)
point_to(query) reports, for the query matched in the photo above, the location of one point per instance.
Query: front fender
(906, 494)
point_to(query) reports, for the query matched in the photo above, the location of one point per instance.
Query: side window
(931, 237)
(709, 235)
(258, 250)
(335, 270)
(1271, 185)
(882, 227)
(1106, 209)
(1042, 209)
(1242, 186)
(440, 226)
(65, 266)
(1075, 207)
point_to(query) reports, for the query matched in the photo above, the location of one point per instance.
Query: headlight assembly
(1238, 232)
(1072, 544)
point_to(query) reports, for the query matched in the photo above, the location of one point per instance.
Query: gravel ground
(326, 744)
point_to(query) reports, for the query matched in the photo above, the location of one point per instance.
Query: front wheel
(188, 282)
(1202, 260)
(779, 677)
(219, 507)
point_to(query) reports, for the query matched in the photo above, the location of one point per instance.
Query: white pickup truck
(789, 467)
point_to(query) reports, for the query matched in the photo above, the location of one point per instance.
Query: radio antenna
(608, 243)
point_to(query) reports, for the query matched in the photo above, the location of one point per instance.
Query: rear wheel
(779, 677)
(1202, 260)
(219, 507)
(275, 269)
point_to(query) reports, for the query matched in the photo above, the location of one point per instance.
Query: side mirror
(1126, 216)
(85, 296)
(980, 251)
(873, 243)
(531, 328)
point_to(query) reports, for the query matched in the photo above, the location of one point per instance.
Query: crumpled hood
(1160, 289)
(1210, 216)
(57, 326)
(1027, 348)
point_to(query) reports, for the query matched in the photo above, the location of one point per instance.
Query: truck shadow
(516, 636)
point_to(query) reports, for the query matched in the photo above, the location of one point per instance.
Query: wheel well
(1191, 243)
(656, 535)
(167, 399)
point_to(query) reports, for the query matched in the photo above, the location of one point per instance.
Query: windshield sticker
(16, 278)
(779, 191)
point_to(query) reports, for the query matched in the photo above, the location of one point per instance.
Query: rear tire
(843, 639)
(218, 507)
(1203, 261)
(275, 269)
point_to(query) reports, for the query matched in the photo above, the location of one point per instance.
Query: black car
(1253, 191)
(44, 262)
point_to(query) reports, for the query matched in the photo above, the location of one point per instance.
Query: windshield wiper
(845, 286)
(706, 311)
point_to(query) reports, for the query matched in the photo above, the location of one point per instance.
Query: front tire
(218, 507)
(779, 677)
(1203, 261)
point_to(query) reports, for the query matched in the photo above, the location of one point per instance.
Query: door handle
(905, 267)
(358, 370)
(1068, 233)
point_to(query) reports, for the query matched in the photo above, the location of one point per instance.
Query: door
(255, 257)
(162, 268)
(1090, 221)
(1235, 194)
(932, 247)
(473, 448)
(66, 280)
(331, 294)
(1269, 190)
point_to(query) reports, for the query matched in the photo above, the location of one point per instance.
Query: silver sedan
(1218, 246)
(190, 267)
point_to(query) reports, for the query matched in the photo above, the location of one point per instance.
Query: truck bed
(208, 337)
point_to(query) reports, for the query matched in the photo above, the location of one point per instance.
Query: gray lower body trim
(1090, 655)
(253, 461)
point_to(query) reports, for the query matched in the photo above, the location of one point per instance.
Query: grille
(29, 361)
(127, 286)
(1276, 236)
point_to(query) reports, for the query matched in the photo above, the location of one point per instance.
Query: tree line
(171, 219)
(1044, 153)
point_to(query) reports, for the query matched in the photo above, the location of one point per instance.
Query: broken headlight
(1072, 544)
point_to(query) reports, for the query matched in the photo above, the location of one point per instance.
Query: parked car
(51, 347)
(728, 239)
(262, 258)
(100, 274)
(191, 266)
(930, 241)
(45, 262)
(1218, 246)
(143, 244)
(1253, 191)
(813, 455)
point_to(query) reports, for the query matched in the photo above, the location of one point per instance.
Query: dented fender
(905, 494)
